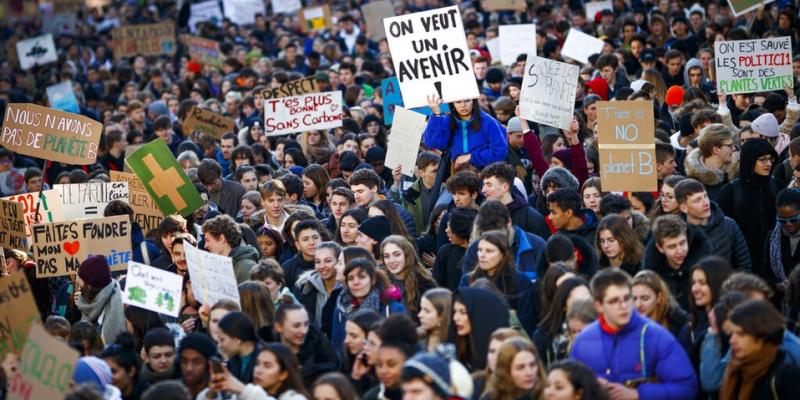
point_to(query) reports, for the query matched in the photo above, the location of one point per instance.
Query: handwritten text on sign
(153, 289)
(294, 88)
(212, 275)
(89, 200)
(50, 134)
(17, 311)
(12, 225)
(45, 368)
(431, 56)
(144, 39)
(145, 210)
(50, 209)
(626, 132)
(303, 113)
(207, 121)
(548, 91)
(759, 65)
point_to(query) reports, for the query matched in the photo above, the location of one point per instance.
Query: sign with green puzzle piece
(164, 179)
(153, 289)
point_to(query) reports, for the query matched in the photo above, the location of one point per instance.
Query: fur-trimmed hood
(707, 176)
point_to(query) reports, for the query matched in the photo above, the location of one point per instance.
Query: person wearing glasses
(632, 356)
(750, 199)
(711, 162)
(782, 252)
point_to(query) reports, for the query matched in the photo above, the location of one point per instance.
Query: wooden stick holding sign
(626, 132)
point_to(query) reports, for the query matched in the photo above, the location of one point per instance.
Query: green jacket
(411, 200)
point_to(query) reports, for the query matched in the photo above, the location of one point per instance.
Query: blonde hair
(663, 296)
(500, 385)
(442, 300)
(712, 136)
(414, 271)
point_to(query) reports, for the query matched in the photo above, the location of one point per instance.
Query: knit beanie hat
(432, 369)
(375, 154)
(560, 177)
(92, 370)
(200, 342)
(348, 161)
(565, 156)
(598, 86)
(514, 125)
(494, 75)
(377, 228)
(158, 108)
(95, 272)
(766, 125)
(194, 66)
(674, 96)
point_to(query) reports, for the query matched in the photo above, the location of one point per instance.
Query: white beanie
(766, 125)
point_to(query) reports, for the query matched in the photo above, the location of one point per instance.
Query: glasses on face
(729, 145)
(765, 159)
(791, 220)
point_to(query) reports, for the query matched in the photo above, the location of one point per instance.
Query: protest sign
(243, 12)
(164, 179)
(46, 367)
(12, 225)
(212, 275)
(740, 7)
(50, 134)
(306, 85)
(548, 92)
(50, 210)
(17, 311)
(516, 40)
(206, 121)
(202, 50)
(130, 149)
(153, 289)
(145, 210)
(88, 200)
(62, 97)
(579, 46)
(390, 93)
(374, 14)
(627, 146)
(406, 135)
(594, 7)
(39, 50)
(504, 5)
(303, 113)
(144, 39)
(758, 65)
(97, 3)
(204, 11)
(286, 6)
(430, 55)
(61, 23)
(13, 180)
(493, 45)
(60, 247)
(315, 18)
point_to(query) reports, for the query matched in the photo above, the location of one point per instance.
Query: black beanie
(200, 342)
(494, 75)
(348, 161)
(461, 221)
(377, 228)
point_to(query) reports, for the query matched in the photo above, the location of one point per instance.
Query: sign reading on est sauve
(758, 65)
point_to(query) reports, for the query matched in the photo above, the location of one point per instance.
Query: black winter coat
(727, 240)
(678, 279)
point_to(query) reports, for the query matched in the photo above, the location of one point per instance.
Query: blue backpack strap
(642, 358)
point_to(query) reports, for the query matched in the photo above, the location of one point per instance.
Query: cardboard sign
(286, 6)
(145, 210)
(740, 7)
(50, 210)
(164, 179)
(212, 275)
(66, 6)
(548, 92)
(17, 312)
(60, 247)
(62, 97)
(130, 149)
(153, 289)
(627, 146)
(390, 93)
(516, 40)
(580, 46)
(430, 55)
(594, 7)
(405, 138)
(315, 18)
(12, 225)
(89, 200)
(204, 11)
(299, 87)
(303, 113)
(97, 3)
(374, 14)
(45, 368)
(40, 50)
(206, 121)
(50, 134)
(243, 12)
(503, 5)
(144, 39)
(204, 51)
(758, 65)
(61, 23)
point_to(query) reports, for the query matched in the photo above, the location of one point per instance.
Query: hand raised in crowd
(790, 92)
(463, 159)
(10, 365)
(204, 313)
(429, 259)
(523, 123)
(572, 132)
(189, 324)
(397, 175)
(722, 99)
(435, 102)
(224, 381)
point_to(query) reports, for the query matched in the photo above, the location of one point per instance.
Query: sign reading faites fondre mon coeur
(50, 134)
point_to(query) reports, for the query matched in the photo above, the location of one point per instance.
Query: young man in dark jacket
(567, 216)
(308, 235)
(224, 237)
(498, 184)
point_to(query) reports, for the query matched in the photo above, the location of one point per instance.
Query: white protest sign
(594, 7)
(62, 97)
(243, 12)
(153, 289)
(548, 92)
(516, 40)
(407, 129)
(758, 65)
(205, 11)
(579, 46)
(493, 45)
(286, 6)
(88, 200)
(212, 275)
(303, 113)
(40, 50)
(430, 55)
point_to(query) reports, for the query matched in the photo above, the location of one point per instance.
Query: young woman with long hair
(256, 302)
(123, 359)
(652, 299)
(405, 271)
(591, 194)
(315, 178)
(518, 374)
(347, 231)
(553, 337)
(495, 262)
(617, 245)
(476, 314)
(315, 287)
(313, 350)
(334, 386)
(357, 363)
(389, 210)
(496, 340)
(238, 342)
(434, 317)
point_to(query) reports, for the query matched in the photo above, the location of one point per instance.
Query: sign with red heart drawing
(60, 247)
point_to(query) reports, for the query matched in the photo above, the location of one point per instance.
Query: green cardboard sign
(164, 179)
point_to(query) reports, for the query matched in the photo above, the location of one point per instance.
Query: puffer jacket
(487, 145)
(726, 239)
(713, 179)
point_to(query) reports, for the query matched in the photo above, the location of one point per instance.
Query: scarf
(776, 261)
(152, 377)
(606, 328)
(107, 303)
(350, 304)
(743, 373)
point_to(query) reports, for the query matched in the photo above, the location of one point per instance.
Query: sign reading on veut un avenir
(50, 134)
(626, 132)
(430, 55)
(303, 113)
(548, 92)
(758, 65)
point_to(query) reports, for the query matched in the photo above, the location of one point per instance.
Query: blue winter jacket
(487, 145)
(527, 248)
(617, 358)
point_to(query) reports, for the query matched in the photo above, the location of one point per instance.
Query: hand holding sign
(434, 102)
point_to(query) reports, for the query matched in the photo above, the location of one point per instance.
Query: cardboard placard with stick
(626, 131)
(207, 121)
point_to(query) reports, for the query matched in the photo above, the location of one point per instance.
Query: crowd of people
(500, 270)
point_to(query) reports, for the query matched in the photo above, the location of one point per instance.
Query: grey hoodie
(313, 293)
(694, 63)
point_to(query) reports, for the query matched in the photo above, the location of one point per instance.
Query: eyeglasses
(791, 220)
(765, 159)
(730, 145)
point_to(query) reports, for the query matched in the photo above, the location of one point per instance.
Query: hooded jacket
(726, 239)
(678, 279)
(486, 146)
(713, 179)
(704, 83)
(750, 200)
(313, 295)
(586, 231)
(486, 312)
(245, 257)
(525, 216)
(526, 247)
(293, 269)
(635, 352)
